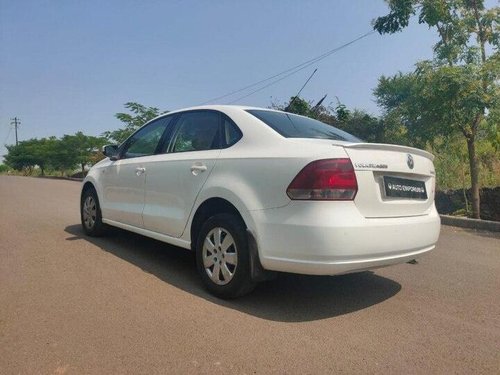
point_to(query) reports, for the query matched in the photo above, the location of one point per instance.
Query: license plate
(403, 188)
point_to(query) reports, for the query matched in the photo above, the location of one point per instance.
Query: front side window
(197, 131)
(293, 126)
(145, 141)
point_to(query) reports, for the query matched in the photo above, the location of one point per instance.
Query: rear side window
(230, 132)
(294, 126)
(197, 131)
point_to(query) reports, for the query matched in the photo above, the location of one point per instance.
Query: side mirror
(111, 151)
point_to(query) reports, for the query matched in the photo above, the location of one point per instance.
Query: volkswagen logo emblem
(409, 161)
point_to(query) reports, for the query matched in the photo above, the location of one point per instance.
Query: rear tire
(90, 214)
(222, 257)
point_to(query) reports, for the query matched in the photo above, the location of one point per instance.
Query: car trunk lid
(393, 181)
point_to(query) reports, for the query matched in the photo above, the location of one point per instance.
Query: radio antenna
(302, 88)
(316, 107)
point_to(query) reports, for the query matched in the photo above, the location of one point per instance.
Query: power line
(8, 134)
(291, 71)
(263, 87)
(302, 88)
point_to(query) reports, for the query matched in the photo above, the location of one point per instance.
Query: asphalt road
(127, 304)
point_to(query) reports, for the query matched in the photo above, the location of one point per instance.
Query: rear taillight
(328, 179)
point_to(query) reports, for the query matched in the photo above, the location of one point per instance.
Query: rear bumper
(328, 238)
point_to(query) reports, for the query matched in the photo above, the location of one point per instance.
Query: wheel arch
(87, 185)
(210, 207)
(216, 205)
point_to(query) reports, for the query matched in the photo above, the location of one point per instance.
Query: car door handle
(139, 171)
(198, 168)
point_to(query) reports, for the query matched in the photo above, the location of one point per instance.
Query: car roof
(223, 107)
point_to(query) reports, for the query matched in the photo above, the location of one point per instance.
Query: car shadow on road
(289, 298)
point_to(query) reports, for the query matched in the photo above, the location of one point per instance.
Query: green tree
(59, 154)
(30, 153)
(456, 92)
(84, 148)
(19, 157)
(361, 124)
(139, 115)
(62, 155)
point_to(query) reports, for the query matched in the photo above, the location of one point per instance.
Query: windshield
(294, 126)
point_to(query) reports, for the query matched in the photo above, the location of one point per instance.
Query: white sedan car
(254, 190)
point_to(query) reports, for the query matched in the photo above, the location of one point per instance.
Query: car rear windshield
(293, 126)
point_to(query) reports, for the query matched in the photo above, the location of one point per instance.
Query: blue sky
(69, 65)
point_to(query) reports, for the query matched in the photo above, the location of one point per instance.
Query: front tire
(90, 214)
(222, 257)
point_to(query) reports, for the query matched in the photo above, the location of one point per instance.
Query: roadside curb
(79, 179)
(463, 222)
(59, 178)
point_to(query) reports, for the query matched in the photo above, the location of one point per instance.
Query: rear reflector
(328, 179)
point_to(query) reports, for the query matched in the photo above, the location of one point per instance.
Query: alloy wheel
(220, 256)
(89, 212)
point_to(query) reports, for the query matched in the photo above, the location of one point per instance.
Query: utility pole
(16, 122)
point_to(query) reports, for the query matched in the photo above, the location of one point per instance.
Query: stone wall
(449, 201)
